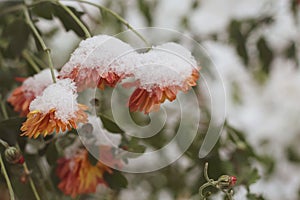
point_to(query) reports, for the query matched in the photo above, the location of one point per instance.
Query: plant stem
(27, 57)
(4, 172)
(5, 115)
(26, 170)
(31, 182)
(3, 108)
(82, 26)
(11, 9)
(5, 144)
(117, 16)
(41, 41)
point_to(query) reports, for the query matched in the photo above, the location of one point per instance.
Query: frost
(38, 82)
(60, 96)
(166, 65)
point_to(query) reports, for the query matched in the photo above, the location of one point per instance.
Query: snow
(101, 52)
(37, 83)
(165, 65)
(100, 136)
(60, 96)
(213, 16)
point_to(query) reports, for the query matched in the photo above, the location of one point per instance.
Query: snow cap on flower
(32, 87)
(60, 96)
(98, 61)
(39, 82)
(161, 73)
(55, 109)
(165, 65)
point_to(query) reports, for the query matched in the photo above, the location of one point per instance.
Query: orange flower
(31, 87)
(38, 123)
(147, 101)
(78, 176)
(91, 78)
(56, 109)
(164, 70)
(98, 62)
(20, 100)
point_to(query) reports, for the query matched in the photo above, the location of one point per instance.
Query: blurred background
(253, 44)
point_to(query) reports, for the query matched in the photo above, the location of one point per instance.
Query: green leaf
(116, 180)
(239, 39)
(10, 129)
(251, 196)
(52, 153)
(110, 125)
(44, 10)
(146, 9)
(17, 33)
(68, 22)
(93, 158)
(265, 54)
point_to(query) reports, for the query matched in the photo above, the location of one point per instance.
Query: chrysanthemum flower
(56, 109)
(78, 176)
(98, 62)
(161, 73)
(32, 87)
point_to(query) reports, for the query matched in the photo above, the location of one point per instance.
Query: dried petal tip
(13, 155)
(55, 110)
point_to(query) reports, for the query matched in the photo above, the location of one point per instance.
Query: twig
(27, 57)
(4, 172)
(30, 179)
(41, 41)
(82, 26)
(117, 16)
(3, 108)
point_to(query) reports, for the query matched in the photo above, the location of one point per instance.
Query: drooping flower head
(32, 87)
(98, 62)
(161, 73)
(55, 109)
(78, 176)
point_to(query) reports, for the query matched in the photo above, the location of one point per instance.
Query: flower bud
(226, 182)
(13, 155)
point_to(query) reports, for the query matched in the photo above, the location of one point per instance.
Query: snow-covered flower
(160, 74)
(32, 87)
(78, 176)
(98, 62)
(55, 109)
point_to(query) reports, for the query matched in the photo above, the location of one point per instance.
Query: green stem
(41, 41)
(206, 172)
(4, 172)
(117, 16)
(3, 108)
(36, 194)
(11, 9)
(202, 188)
(82, 26)
(27, 57)
(39, 61)
(5, 144)
(26, 170)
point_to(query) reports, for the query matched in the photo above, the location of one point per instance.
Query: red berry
(233, 180)
(21, 160)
